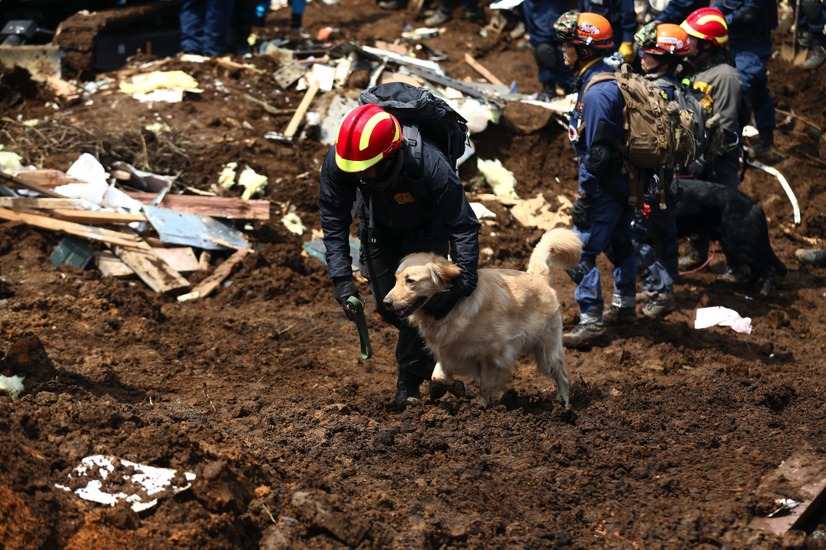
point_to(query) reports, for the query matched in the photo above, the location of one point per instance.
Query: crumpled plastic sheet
(722, 316)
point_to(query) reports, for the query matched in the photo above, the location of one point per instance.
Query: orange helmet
(367, 135)
(588, 29)
(662, 39)
(707, 24)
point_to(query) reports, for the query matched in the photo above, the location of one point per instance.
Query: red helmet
(707, 24)
(588, 29)
(662, 39)
(366, 136)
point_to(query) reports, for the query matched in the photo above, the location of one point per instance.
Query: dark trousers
(380, 257)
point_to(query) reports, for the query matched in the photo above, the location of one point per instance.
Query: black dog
(735, 221)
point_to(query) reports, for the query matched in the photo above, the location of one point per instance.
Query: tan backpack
(658, 133)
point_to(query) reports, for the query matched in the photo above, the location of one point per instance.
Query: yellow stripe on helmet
(374, 121)
(353, 166)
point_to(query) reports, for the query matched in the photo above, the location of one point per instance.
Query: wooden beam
(152, 270)
(92, 233)
(232, 208)
(209, 284)
(20, 203)
(93, 217)
(482, 70)
(47, 177)
(8, 178)
(292, 127)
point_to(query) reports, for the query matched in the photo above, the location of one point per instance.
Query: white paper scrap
(722, 316)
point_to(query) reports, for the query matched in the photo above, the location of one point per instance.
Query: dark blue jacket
(598, 119)
(426, 201)
(540, 16)
(750, 23)
(677, 10)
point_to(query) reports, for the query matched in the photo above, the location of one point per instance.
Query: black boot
(407, 390)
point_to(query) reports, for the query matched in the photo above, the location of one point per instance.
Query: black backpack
(414, 106)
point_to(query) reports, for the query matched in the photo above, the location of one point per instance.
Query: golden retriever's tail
(559, 247)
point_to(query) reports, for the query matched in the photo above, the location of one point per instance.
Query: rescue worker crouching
(601, 215)
(409, 199)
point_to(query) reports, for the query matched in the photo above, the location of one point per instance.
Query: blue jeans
(205, 26)
(752, 66)
(608, 231)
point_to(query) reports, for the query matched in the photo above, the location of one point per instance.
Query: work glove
(579, 213)
(344, 287)
(440, 304)
(626, 49)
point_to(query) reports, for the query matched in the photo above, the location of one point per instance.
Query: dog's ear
(444, 272)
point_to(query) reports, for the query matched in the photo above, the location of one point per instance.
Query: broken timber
(209, 284)
(482, 70)
(218, 207)
(802, 477)
(92, 233)
(152, 269)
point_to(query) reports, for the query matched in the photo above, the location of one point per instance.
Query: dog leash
(357, 308)
(696, 269)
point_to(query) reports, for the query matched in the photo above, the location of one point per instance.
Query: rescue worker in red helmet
(601, 214)
(711, 73)
(409, 199)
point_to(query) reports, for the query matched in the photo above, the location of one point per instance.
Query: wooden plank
(180, 258)
(92, 233)
(209, 284)
(292, 127)
(482, 70)
(231, 208)
(20, 182)
(93, 217)
(20, 203)
(152, 270)
(47, 177)
(801, 477)
(110, 265)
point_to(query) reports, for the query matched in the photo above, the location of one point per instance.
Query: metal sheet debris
(194, 230)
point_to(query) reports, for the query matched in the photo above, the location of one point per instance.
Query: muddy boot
(734, 276)
(659, 305)
(585, 335)
(620, 316)
(764, 150)
(407, 391)
(696, 256)
(811, 256)
(439, 18)
(818, 56)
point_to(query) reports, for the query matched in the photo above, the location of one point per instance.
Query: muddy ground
(259, 389)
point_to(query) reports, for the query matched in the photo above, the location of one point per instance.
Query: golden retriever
(510, 313)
